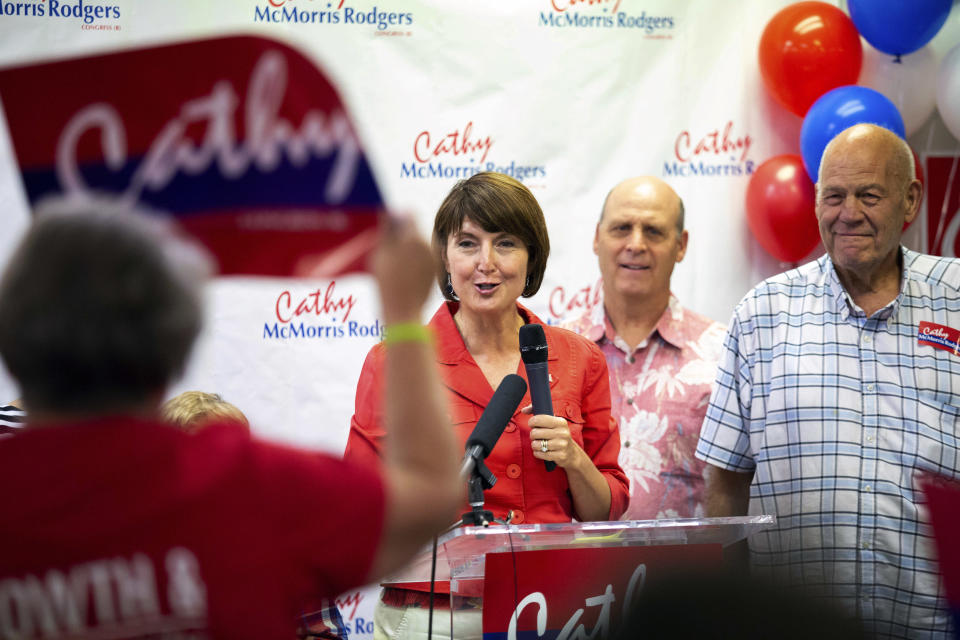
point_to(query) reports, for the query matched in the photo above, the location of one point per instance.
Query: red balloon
(807, 49)
(780, 208)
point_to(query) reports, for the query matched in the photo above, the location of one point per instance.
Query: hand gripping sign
(242, 139)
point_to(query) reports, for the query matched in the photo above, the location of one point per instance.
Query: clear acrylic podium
(462, 552)
(466, 547)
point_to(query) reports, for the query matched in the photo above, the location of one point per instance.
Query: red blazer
(580, 389)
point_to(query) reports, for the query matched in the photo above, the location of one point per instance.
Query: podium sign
(576, 593)
(569, 580)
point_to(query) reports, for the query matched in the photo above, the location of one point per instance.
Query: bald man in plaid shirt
(838, 388)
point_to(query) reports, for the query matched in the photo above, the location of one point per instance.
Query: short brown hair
(193, 409)
(99, 308)
(496, 202)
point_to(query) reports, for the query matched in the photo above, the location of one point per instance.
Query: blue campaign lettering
(357, 330)
(362, 626)
(277, 331)
(264, 14)
(13, 9)
(269, 332)
(674, 169)
(86, 12)
(548, 20)
(438, 170)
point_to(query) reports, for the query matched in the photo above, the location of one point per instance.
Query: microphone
(493, 421)
(533, 351)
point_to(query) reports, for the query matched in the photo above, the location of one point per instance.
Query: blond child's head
(192, 410)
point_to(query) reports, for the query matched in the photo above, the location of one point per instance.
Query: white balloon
(910, 84)
(948, 91)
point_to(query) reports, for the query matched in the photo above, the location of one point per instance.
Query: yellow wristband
(407, 332)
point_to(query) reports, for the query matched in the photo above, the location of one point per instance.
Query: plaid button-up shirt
(836, 414)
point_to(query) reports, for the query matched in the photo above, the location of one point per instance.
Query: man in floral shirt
(662, 357)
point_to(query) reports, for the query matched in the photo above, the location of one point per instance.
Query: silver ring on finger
(543, 446)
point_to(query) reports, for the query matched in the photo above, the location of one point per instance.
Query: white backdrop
(564, 93)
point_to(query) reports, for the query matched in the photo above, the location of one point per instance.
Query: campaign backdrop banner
(576, 593)
(205, 110)
(568, 96)
(251, 149)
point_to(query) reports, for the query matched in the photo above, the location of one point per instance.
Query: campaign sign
(943, 206)
(561, 594)
(943, 500)
(939, 336)
(242, 139)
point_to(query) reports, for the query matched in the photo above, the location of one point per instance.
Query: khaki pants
(410, 623)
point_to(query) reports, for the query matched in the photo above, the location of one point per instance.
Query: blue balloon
(898, 27)
(840, 109)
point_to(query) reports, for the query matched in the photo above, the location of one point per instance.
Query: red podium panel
(572, 576)
(576, 593)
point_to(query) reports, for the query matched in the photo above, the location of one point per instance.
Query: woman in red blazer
(491, 243)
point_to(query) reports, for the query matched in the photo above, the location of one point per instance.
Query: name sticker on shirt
(940, 337)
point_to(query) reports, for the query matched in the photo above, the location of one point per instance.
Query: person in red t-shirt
(115, 524)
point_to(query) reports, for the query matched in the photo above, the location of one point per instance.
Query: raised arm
(420, 459)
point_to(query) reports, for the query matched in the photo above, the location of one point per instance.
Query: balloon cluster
(811, 58)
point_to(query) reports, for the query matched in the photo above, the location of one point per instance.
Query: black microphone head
(495, 417)
(533, 344)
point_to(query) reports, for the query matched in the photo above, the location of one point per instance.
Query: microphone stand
(481, 479)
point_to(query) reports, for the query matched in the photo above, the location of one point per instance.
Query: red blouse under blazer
(580, 389)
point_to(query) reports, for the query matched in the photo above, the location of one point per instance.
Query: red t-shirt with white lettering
(124, 528)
